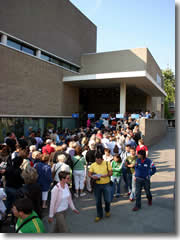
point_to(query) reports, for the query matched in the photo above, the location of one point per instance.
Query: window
(158, 79)
(55, 60)
(28, 50)
(75, 69)
(13, 44)
(45, 57)
(66, 65)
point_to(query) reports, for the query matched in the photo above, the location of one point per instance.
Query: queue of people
(51, 170)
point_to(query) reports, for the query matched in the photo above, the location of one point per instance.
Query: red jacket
(48, 149)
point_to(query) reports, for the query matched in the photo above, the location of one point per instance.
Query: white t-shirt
(106, 123)
(64, 201)
(59, 167)
(105, 142)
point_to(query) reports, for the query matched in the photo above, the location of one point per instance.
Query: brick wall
(30, 86)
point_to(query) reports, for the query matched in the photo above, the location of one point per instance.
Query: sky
(126, 24)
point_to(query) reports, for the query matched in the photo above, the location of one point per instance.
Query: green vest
(117, 169)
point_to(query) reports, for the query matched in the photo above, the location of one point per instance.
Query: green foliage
(169, 87)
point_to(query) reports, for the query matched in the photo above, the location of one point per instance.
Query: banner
(91, 115)
(120, 116)
(135, 116)
(75, 115)
(104, 115)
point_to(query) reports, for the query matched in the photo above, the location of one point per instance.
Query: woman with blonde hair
(36, 157)
(58, 167)
(44, 177)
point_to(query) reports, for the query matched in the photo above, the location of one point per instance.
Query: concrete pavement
(158, 218)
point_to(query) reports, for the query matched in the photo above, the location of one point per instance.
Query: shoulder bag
(25, 222)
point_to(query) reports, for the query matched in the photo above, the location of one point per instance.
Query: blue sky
(125, 24)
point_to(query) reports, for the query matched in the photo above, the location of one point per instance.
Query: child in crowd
(130, 164)
(116, 176)
(144, 169)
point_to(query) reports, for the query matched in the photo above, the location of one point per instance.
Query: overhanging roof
(139, 79)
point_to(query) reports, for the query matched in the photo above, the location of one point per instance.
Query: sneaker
(83, 194)
(108, 214)
(135, 209)
(131, 199)
(149, 202)
(76, 195)
(97, 219)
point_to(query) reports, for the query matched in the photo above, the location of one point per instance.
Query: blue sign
(91, 115)
(104, 115)
(135, 116)
(75, 115)
(119, 115)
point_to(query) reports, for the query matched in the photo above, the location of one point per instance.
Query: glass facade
(45, 57)
(20, 126)
(59, 62)
(13, 44)
(28, 50)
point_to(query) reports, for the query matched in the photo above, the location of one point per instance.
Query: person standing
(60, 200)
(88, 124)
(101, 171)
(44, 177)
(141, 146)
(130, 164)
(144, 169)
(124, 156)
(116, 177)
(79, 163)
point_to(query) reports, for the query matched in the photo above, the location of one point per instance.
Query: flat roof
(139, 79)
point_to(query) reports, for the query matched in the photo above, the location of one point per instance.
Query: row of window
(32, 51)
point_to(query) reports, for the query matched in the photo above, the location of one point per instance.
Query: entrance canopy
(138, 79)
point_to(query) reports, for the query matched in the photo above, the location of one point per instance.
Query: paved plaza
(158, 218)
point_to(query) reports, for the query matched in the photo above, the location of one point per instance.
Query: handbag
(54, 172)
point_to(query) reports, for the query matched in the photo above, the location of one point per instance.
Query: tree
(169, 87)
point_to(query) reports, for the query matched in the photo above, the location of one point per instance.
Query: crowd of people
(46, 171)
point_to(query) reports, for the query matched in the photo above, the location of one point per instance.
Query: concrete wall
(30, 86)
(117, 61)
(153, 130)
(56, 26)
(152, 68)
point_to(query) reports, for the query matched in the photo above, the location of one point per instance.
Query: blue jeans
(124, 171)
(129, 181)
(142, 183)
(116, 186)
(133, 191)
(105, 190)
